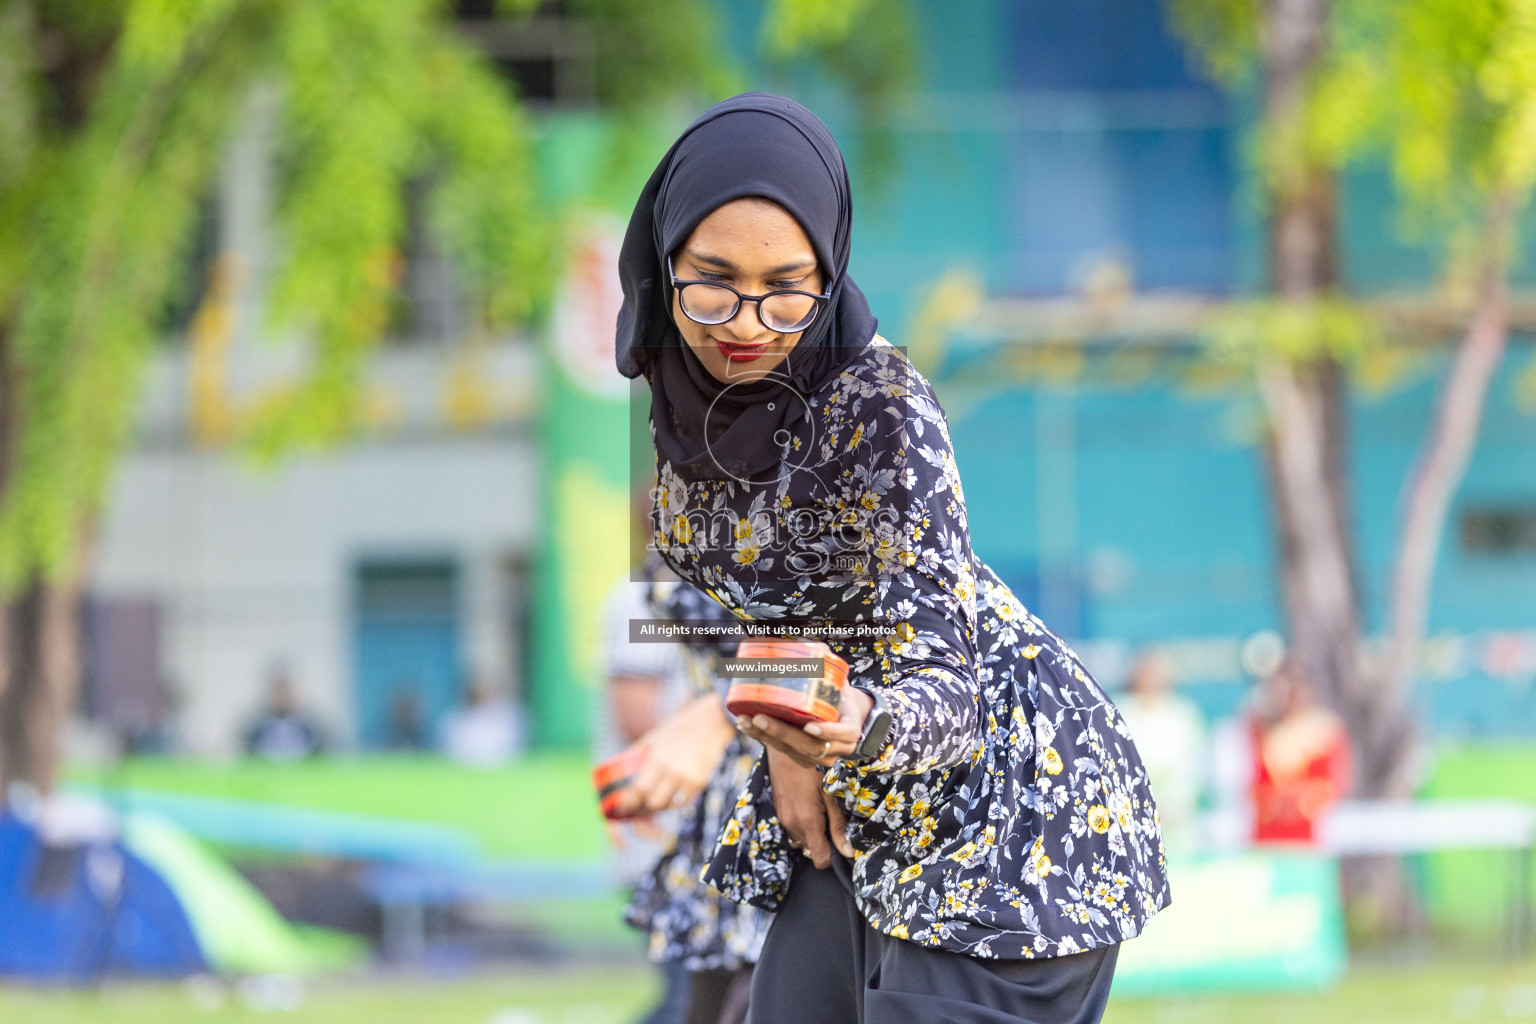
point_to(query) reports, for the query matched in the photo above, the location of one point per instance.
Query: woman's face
(755, 246)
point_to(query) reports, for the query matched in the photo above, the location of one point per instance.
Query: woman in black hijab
(974, 837)
(753, 146)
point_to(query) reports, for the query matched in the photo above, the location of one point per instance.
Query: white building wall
(255, 568)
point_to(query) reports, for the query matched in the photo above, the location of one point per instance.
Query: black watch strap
(877, 729)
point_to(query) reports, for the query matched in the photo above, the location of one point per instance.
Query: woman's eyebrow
(725, 264)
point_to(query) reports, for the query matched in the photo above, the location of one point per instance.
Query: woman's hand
(809, 816)
(681, 754)
(819, 743)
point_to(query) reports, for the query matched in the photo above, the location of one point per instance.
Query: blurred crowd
(484, 728)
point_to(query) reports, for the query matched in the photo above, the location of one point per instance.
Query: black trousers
(823, 964)
(719, 996)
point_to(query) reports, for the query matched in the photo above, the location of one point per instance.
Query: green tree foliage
(1443, 91)
(1446, 92)
(644, 56)
(110, 154)
(113, 116)
(866, 46)
(1223, 35)
(415, 104)
(1446, 87)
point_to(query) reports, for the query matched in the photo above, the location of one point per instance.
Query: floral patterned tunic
(1009, 815)
(687, 921)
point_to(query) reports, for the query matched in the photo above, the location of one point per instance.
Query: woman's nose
(746, 324)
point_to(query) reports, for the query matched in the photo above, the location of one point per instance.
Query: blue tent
(69, 913)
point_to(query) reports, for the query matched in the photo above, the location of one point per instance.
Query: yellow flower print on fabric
(1038, 861)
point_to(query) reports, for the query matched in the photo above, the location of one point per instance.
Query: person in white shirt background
(1171, 735)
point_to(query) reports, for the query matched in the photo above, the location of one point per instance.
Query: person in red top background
(1301, 758)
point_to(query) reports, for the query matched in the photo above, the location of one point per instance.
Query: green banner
(584, 418)
(1246, 922)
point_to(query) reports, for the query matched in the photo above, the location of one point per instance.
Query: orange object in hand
(612, 776)
(798, 700)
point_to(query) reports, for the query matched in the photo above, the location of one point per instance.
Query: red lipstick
(740, 353)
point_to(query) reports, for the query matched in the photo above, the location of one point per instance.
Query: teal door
(406, 646)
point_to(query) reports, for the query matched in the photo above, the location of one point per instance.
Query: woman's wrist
(856, 705)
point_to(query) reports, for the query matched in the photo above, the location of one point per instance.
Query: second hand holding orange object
(812, 721)
(680, 755)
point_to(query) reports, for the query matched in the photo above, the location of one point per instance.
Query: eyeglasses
(709, 302)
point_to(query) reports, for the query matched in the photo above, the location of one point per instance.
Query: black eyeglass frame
(820, 300)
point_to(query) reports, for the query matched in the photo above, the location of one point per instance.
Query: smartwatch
(877, 726)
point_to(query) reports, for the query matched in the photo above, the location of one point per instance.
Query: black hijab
(755, 144)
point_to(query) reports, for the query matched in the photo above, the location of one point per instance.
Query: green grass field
(1419, 993)
(1434, 992)
(543, 995)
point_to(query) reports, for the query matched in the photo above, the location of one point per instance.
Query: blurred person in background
(154, 733)
(282, 730)
(696, 759)
(407, 727)
(1171, 737)
(485, 730)
(1301, 755)
(645, 682)
(974, 836)
(696, 763)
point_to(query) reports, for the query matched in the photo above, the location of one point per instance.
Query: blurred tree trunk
(1441, 464)
(8, 434)
(1307, 453)
(1383, 733)
(1307, 445)
(40, 638)
(42, 663)
(1326, 102)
